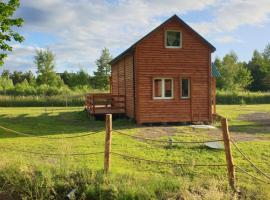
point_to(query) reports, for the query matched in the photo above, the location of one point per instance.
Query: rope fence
(246, 158)
(255, 177)
(167, 163)
(163, 141)
(46, 137)
(50, 154)
(108, 152)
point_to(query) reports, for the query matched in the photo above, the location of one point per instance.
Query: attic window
(173, 39)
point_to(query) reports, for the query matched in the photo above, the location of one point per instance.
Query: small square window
(173, 39)
(163, 88)
(185, 88)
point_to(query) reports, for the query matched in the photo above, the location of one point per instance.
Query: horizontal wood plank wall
(154, 60)
(121, 77)
(115, 79)
(129, 86)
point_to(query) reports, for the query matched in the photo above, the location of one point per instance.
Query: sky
(77, 30)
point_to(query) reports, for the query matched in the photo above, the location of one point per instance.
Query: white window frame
(180, 42)
(163, 88)
(181, 88)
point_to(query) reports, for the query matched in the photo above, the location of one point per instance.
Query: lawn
(129, 178)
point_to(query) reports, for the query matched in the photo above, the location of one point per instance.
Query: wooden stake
(108, 141)
(228, 153)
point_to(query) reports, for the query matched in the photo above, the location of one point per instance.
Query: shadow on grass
(256, 128)
(54, 123)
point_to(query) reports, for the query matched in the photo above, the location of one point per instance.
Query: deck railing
(101, 103)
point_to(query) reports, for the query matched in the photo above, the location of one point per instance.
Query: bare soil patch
(163, 131)
(158, 131)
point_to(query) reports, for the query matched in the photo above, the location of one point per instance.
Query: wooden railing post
(228, 152)
(108, 141)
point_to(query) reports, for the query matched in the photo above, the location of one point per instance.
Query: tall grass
(243, 97)
(40, 101)
(79, 99)
(44, 183)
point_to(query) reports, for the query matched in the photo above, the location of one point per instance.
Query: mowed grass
(59, 125)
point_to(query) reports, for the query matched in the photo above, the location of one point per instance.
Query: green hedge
(39, 101)
(243, 98)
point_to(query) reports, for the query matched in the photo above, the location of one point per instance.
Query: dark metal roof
(215, 71)
(132, 47)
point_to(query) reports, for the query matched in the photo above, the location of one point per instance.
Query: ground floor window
(185, 88)
(163, 88)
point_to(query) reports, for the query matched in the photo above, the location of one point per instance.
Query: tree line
(236, 76)
(253, 75)
(48, 82)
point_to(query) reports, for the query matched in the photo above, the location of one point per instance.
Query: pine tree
(101, 76)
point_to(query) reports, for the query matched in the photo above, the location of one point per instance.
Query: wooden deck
(105, 103)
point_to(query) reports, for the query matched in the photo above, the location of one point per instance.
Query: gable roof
(131, 48)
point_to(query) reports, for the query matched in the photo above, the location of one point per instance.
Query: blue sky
(77, 31)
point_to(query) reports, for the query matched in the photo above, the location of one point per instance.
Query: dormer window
(173, 39)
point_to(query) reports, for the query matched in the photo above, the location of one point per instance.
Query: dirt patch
(163, 131)
(158, 131)
(258, 117)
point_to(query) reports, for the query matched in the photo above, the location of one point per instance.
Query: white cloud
(232, 14)
(84, 27)
(228, 39)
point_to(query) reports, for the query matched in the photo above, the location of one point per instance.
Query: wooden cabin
(164, 77)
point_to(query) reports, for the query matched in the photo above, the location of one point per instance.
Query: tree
(101, 76)
(44, 61)
(7, 22)
(5, 74)
(5, 84)
(67, 78)
(79, 79)
(260, 70)
(29, 76)
(234, 75)
(17, 77)
(82, 78)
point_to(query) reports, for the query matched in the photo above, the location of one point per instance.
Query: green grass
(44, 177)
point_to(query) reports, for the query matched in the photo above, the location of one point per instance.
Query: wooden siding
(114, 80)
(122, 82)
(154, 60)
(129, 85)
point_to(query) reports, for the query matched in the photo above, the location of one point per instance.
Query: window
(173, 39)
(163, 88)
(185, 89)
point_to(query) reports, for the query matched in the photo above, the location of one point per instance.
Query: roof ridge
(128, 50)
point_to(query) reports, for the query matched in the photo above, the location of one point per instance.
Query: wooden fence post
(228, 152)
(108, 141)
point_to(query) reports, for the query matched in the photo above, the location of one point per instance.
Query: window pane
(168, 88)
(185, 87)
(157, 88)
(173, 38)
